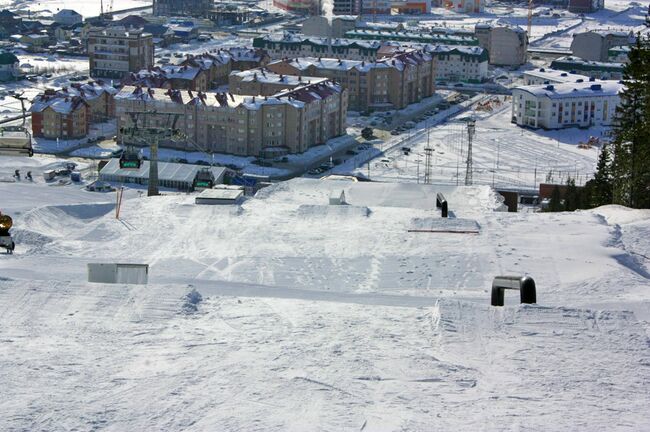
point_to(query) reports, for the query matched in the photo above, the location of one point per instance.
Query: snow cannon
(524, 284)
(5, 238)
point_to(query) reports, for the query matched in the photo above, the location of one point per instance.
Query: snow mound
(51, 220)
(332, 211)
(616, 214)
(442, 224)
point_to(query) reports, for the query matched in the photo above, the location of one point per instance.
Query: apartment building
(388, 83)
(556, 106)
(290, 121)
(506, 45)
(585, 6)
(423, 37)
(593, 69)
(460, 64)
(264, 82)
(461, 6)
(114, 52)
(288, 45)
(335, 27)
(59, 115)
(594, 45)
(168, 8)
(297, 6)
(99, 96)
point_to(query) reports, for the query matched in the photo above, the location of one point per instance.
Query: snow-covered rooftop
(575, 89)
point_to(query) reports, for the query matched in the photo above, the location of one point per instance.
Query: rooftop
(569, 90)
(556, 75)
(166, 170)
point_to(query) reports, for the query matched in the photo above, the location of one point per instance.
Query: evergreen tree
(571, 199)
(631, 162)
(555, 204)
(600, 188)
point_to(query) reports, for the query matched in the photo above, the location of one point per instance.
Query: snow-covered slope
(319, 317)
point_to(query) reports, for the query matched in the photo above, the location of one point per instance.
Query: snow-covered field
(319, 317)
(86, 8)
(504, 154)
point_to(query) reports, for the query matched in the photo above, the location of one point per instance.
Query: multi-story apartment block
(585, 6)
(289, 121)
(506, 45)
(168, 8)
(389, 83)
(593, 69)
(264, 82)
(379, 7)
(175, 77)
(297, 6)
(594, 45)
(461, 6)
(98, 95)
(347, 7)
(59, 115)
(460, 64)
(335, 27)
(424, 37)
(199, 72)
(291, 45)
(556, 106)
(115, 51)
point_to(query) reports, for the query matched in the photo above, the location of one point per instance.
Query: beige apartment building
(287, 122)
(114, 52)
(389, 83)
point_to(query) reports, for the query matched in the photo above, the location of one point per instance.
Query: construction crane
(149, 136)
(530, 16)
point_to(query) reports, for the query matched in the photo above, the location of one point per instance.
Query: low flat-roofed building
(170, 175)
(594, 69)
(552, 76)
(556, 106)
(221, 195)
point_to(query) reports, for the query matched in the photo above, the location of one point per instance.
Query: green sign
(130, 164)
(202, 184)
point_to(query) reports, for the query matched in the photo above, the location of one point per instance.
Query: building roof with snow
(62, 103)
(556, 76)
(296, 97)
(168, 171)
(262, 75)
(574, 90)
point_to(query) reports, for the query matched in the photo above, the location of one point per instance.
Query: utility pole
(427, 165)
(152, 189)
(471, 128)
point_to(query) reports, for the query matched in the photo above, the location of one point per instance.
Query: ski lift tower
(151, 136)
(471, 129)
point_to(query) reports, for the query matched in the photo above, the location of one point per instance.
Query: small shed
(221, 195)
(118, 273)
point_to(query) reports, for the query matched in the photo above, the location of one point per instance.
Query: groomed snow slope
(318, 317)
